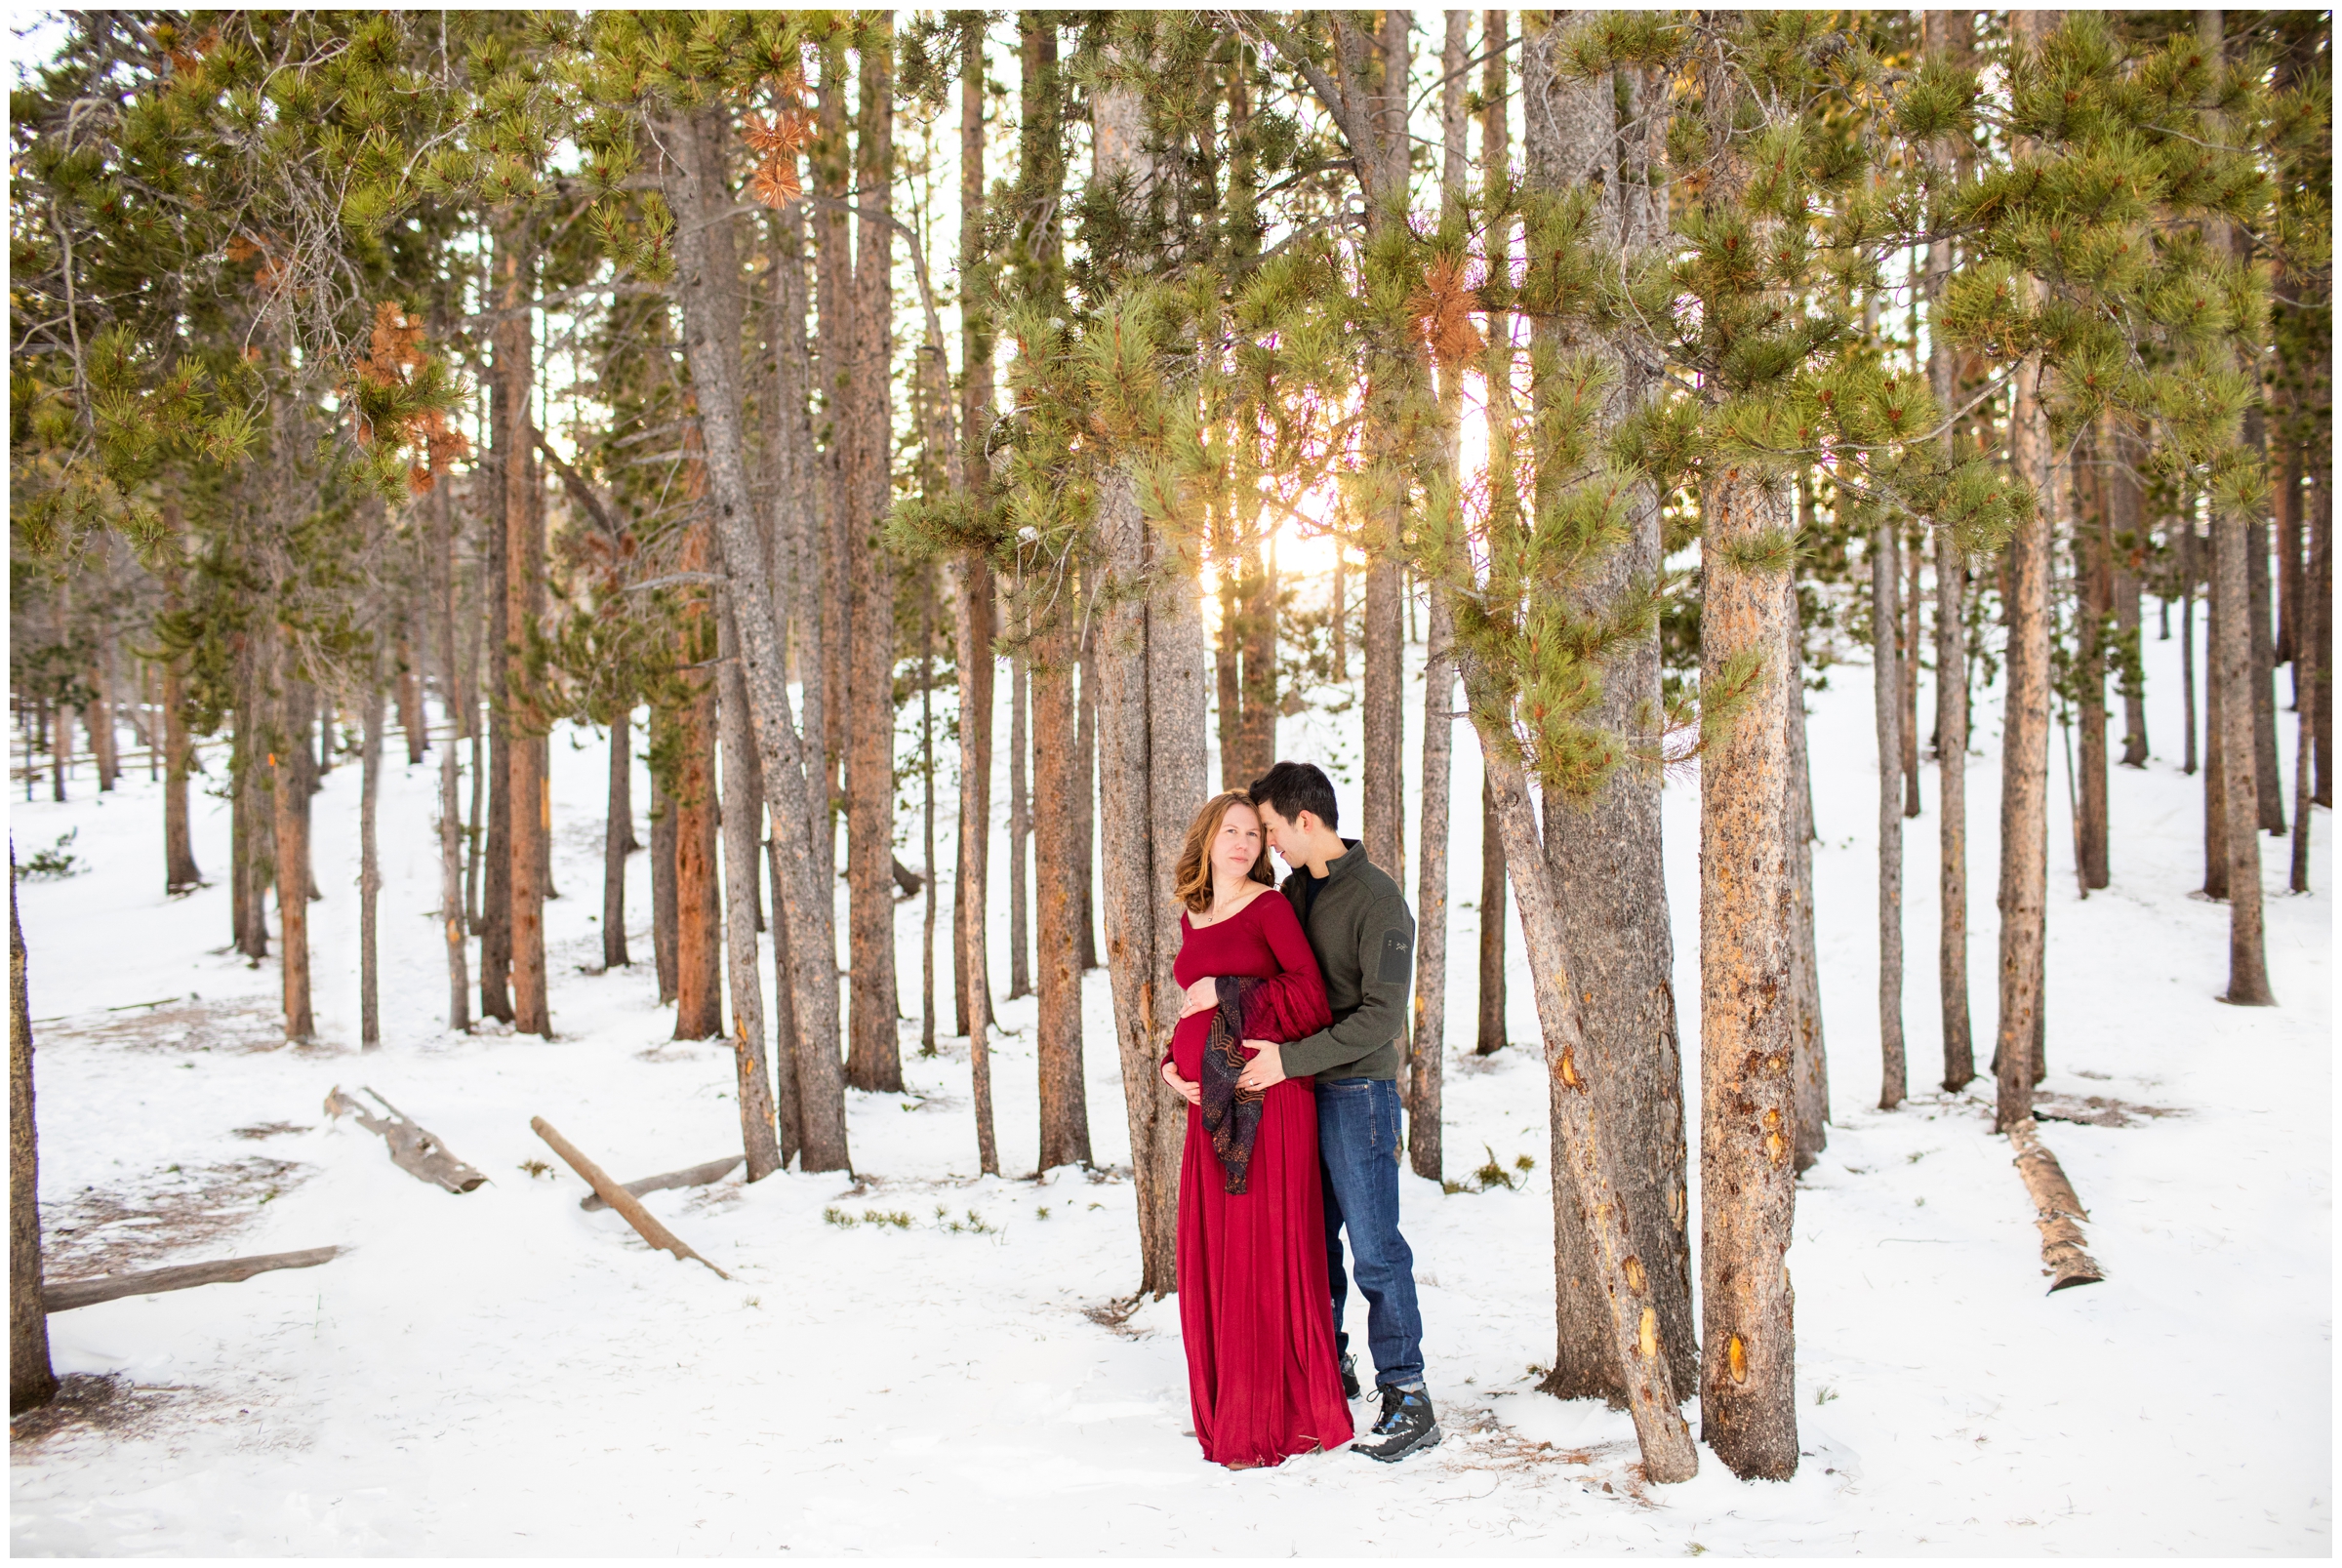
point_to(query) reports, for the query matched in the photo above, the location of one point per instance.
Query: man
(1363, 934)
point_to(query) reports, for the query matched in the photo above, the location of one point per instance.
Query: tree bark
(1594, 1153)
(494, 876)
(1490, 1036)
(706, 276)
(2127, 510)
(411, 723)
(1887, 685)
(1382, 780)
(370, 876)
(1908, 662)
(2025, 758)
(742, 815)
(2262, 676)
(2185, 526)
(1020, 828)
(665, 915)
(524, 578)
(1748, 1406)
(1809, 1064)
(2238, 677)
(180, 872)
(1057, 951)
(2094, 592)
(698, 907)
(618, 837)
(971, 623)
(451, 826)
(31, 1380)
(2215, 748)
(1952, 788)
(290, 776)
(2313, 632)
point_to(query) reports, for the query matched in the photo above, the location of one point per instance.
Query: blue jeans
(1358, 1157)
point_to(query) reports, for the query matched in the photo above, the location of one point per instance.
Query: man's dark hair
(1292, 787)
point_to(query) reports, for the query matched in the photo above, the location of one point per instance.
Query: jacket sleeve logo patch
(1398, 958)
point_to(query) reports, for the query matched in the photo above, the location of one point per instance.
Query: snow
(502, 1373)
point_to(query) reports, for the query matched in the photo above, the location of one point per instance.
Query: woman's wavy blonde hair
(1192, 879)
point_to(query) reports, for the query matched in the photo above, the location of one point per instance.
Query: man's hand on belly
(1264, 1069)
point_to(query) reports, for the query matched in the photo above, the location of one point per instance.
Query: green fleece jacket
(1363, 934)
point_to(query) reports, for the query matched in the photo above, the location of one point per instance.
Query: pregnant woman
(1253, 1303)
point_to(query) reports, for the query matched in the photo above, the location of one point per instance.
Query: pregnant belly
(1187, 1043)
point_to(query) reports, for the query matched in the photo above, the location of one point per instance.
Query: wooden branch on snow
(65, 1295)
(413, 1149)
(2062, 1250)
(616, 1196)
(696, 1176)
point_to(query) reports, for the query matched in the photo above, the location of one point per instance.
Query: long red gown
(1253, 1303)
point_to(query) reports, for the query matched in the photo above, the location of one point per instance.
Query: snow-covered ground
(502, 1372)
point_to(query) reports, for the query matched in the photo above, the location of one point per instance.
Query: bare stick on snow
(413, 1149)
(696, 1176)
(2060, 1207)
(616, 1196)
(66, 1295)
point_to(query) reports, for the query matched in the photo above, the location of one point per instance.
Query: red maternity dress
(1253, 1303)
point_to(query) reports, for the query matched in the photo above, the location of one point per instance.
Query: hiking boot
(1407, 1424)
(1349, 1376)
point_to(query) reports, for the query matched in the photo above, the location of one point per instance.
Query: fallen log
(2067, 1263)
(413, 1149)
(617, 1198)
(66, 1295)
(696, 1176)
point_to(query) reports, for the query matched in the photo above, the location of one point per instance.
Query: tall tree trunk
(31, 1380)
(495, 875)
(252, 853)
(1154, 674)
(2215, 748)
(2284, 498)
(2025, 755)
(1748, 1408)
(1809, 1066)
(2312, 644)
(1601, 871)
(1887, 685)
(1907, 661)
(290, 776)
(100, 715)
(2126, 507)
(1951, 786)
(1057, 951)
(1085, 805)
(2239, 677)
(2094, 595)
(442, 623)
(1382, 781)
(972, 608)
(1622, 1291)
(60, 753)
(932, 880)
(180, 872)
(665, 913)
(1020, 828)
(618, 837)
(2185, 524)
(708, 273)
(411, 722)
(370, 874)
(475, 836)
(743, 815)
(699, 905)
(2318, 591)
(2262, 676)
(1490, 1035)
(524, 577)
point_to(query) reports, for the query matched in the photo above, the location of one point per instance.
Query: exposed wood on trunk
(690, 1176)
(743, 814)
(618, 839)
(2025, 755)
(413, 1149)
(32, 1380)
(707, 275)
(2062, 1256)
(66, 1295)
(618, 1198)
(1887, 681)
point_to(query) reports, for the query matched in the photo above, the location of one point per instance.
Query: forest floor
(500, 1373)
